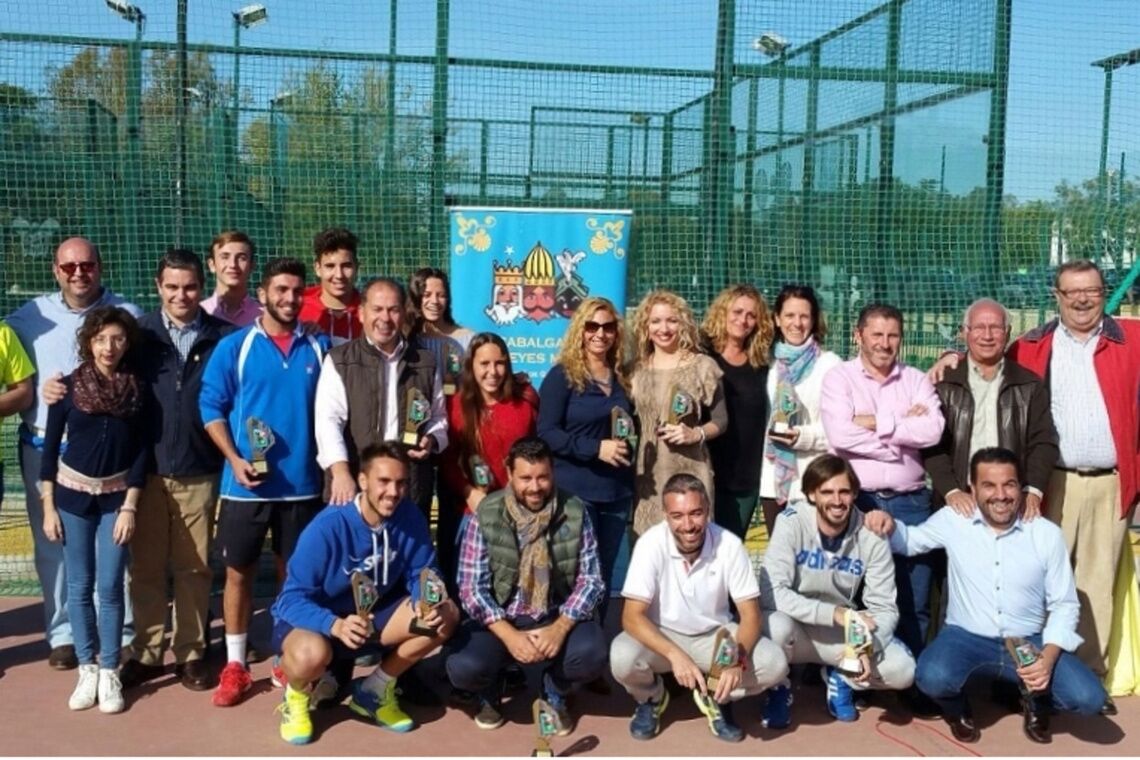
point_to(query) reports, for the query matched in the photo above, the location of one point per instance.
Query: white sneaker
(83, 698)
(324, 690)
(110, 691)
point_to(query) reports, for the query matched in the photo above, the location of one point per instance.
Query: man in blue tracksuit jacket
(383, 535)
(265, 373)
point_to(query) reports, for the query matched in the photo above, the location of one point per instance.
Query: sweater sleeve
(53, 435)
(879, 588)
(303, 582)
(556, 396)
(219, 384)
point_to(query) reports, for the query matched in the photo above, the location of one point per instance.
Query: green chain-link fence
(924, 152)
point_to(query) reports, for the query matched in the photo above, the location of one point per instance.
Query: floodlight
(129, 12)
(770, 44)
(281, 99)
(250, 15)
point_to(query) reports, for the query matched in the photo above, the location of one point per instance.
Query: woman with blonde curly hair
(577, 397)
(738, 332)
(679, 399)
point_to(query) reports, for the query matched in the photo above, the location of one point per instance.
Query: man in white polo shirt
(681, 577)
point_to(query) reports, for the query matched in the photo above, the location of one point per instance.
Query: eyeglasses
(987, 329)
(1074, 293)
(69, 267)
(609, 328)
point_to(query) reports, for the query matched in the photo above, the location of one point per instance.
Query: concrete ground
(163, 718)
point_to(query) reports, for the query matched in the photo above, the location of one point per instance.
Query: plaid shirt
(475, 580)
(183, 337)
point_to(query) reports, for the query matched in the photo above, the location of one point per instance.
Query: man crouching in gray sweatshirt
(820, 564)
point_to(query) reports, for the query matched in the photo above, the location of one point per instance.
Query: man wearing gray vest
(530, 579)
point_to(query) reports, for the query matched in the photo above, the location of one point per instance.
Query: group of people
(330, 418)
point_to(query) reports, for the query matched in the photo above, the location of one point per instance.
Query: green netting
(923, 152)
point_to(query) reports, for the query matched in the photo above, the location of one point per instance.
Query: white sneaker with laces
(110, 691)
(86, 690)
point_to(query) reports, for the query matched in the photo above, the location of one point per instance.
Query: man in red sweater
(1091, 363)
(332, 304)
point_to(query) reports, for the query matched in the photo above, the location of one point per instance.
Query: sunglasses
(69, 267)
(609, 328)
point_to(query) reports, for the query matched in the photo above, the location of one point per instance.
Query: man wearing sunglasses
(46, 326)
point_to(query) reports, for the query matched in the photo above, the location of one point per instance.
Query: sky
(1055, 96)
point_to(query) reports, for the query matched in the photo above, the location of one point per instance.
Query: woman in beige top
(678, 398)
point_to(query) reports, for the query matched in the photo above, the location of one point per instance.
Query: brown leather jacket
(1025, 427)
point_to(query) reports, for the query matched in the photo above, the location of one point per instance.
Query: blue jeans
(611, 523)
(913, 575)
(956, 654)
(48, 555)
(94, 560)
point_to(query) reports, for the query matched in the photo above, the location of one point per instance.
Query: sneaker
(719, 717)
(489, 715)
(325, 691)
(383, 709)
(296, 725)
(110, 691)
(277, 673)
(646, 720)
(840, 696)
(778, 710)
(233, 683)
(86, 690)
(557, 702)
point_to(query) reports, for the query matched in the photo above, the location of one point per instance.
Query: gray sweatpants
(635, 666)
(894, 665)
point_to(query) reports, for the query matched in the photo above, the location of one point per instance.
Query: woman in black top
(91, 493)
(738, 335)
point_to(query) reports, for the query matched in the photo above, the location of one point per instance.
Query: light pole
(775, 46)
(1109, 65)
(131, 176)
(277, 151)
(642, 120)
(247, 18)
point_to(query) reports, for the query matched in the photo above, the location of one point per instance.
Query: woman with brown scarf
(91, 491)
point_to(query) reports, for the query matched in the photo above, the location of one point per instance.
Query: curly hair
(417, 286)
(690, 339)
(471, 403)
(715, 327)
(572, 357)
(99, 318)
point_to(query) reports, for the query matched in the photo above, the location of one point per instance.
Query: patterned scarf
(93, 392)
(793, 364)
(534, 552)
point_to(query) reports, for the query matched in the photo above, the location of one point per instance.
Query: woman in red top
(491, 411)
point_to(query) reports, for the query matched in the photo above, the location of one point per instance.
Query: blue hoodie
(318, 582)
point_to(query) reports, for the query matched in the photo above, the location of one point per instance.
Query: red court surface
(163, 718)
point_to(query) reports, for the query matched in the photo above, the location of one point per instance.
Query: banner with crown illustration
(521, 273)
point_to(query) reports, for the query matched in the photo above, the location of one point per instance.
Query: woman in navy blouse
(91, 493)
(576, 400)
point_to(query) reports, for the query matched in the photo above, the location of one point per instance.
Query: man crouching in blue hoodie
(384, 535)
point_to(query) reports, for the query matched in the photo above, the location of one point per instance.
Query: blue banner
(521, 273)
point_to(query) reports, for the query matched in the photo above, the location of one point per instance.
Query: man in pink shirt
(879, 414)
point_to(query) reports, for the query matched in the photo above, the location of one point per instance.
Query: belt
(77, 481)
(1089, 472)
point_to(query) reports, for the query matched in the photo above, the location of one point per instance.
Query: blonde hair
(715, 326)
(572, 357)
(689, 337)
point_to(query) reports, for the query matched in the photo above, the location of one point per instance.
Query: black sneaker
(489, 715)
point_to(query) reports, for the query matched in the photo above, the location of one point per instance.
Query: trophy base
(411, 439)
(260, 467)
(850, 666)
(449, 389)
(542, 752)
(780, 428)
(420, 629)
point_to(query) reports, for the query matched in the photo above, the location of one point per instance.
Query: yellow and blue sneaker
(384, 709)
(296, 725)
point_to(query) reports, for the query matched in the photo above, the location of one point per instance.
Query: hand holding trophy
(452, 368)
(785, 414)
(432, 592)
(858, 646)
(417, 410)
(1023, 653)
(261, 440)
(726, 654)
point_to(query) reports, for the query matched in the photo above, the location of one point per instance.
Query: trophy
(546, 724)
(432, 592)
(364, 593)
(1023, 653)
(682, 406)
(857, 643)
(261, 440)
(785, 413)
(416, 413)
(726, 654)
(452, 367)
(622, 428)
(481, 475)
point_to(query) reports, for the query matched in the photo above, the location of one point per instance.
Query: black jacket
(1025, 426)
(181, 446)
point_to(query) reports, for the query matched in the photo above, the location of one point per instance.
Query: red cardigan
(1117, 362)
(505, 423)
